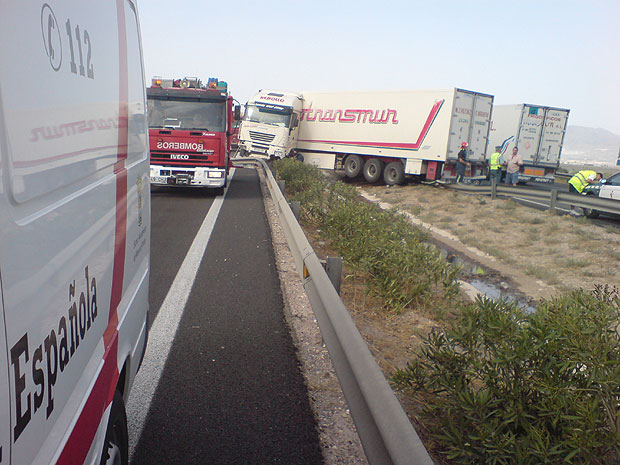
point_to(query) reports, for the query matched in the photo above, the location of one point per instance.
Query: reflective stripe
(81, 438)
(580, 180)
(494, 162)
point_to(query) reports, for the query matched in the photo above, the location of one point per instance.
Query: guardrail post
(295, 208)
(333, 268)
(554, 200)
(493, 187)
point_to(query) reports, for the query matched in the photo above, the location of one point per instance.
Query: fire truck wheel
(353, 166)
(373, 168)
(116, 444)
(394, 173)
(219, 191)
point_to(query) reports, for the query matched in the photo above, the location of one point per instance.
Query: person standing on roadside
(513, 165)
(579, 182)
(495, 165)
(461, 162)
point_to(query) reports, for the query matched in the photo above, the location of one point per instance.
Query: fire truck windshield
(267, 116)
(186, 114)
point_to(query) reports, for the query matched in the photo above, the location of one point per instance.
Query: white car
(606, 189)
(610, 187)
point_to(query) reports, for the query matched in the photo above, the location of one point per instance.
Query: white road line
(164, 328)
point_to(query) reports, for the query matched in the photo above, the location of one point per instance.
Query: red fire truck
(189, 130)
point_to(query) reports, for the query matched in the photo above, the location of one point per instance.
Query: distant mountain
(591, 145)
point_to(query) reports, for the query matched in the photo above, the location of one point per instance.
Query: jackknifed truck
(537, 131)
(388, 135)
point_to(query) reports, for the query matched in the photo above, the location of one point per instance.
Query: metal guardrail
(553, 196)
(562, 177)
(383, 426)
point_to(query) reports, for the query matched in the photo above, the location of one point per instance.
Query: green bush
(404, 270)
(504, 387)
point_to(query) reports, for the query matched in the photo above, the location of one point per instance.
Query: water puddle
(485, 284)
(496, 293)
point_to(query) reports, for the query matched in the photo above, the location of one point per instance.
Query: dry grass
(564, 252)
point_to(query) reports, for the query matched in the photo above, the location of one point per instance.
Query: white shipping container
(421, 129)
(537, 131)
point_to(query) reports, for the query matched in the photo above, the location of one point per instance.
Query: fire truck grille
(259, 136)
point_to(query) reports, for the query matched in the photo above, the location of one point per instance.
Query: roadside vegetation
(486, 382)
(400, 267)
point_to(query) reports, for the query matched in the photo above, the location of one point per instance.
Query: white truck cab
(270, 124)
(74, 228)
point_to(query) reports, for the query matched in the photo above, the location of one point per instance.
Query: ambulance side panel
(74, 222)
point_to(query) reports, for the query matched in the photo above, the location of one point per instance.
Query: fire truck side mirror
(237, 115)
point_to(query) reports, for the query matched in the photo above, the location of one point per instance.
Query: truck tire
(394, 173)
(373, 169)
(353, 166)
(116, 444)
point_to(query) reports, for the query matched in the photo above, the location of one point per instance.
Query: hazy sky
(558, 53)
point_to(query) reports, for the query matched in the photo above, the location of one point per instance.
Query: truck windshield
(267, 116)
(187, 114)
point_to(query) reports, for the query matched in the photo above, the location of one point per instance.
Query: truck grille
(259, 136)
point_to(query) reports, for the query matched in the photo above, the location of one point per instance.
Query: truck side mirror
(237, 115)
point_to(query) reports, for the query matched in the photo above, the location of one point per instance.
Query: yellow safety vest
(494, 163)
(580, 180)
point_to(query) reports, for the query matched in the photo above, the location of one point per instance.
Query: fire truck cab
(189, 132)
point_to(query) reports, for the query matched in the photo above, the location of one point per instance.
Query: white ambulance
(74, 228)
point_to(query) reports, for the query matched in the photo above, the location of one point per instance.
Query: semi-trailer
(382, 134)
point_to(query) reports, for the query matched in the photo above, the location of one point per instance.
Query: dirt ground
(540, 253)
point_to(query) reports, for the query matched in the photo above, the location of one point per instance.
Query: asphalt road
(220, 383)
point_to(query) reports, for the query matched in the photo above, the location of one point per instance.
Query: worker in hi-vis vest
(578, 183)
(495, 165)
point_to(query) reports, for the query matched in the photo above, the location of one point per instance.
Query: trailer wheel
(353, 166)
(116, 444)
(373, 168)
(394, 173)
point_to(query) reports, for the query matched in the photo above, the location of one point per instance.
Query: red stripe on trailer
(81, 438)
(405, 145)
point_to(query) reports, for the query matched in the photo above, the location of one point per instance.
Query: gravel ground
(340, 442)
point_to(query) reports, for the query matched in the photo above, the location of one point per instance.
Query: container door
(530, 132)
(471, 116)
(481, 120)
(553, 136)
(460, 127)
